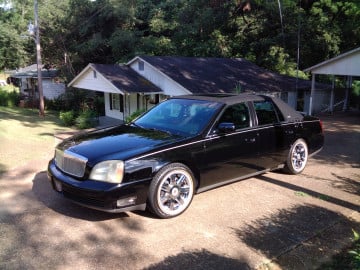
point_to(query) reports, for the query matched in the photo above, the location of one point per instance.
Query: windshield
(179, 116)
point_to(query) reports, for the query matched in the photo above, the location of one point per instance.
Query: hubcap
(299, 157)
(175, 192)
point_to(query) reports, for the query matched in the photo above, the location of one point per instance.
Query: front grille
(70, 162)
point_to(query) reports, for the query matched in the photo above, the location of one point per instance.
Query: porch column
(312, 93)
(332, 95)
(348, 86)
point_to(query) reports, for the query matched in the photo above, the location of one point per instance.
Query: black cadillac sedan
(184, 145)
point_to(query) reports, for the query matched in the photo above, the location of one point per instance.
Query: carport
(346, 64)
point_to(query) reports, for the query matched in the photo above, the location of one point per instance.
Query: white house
(125, 91)
(146, 80)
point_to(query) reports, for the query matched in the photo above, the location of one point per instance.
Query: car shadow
(43, 191)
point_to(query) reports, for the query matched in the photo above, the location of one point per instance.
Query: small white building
(52, 87)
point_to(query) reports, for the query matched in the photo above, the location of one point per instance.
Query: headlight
(111, 171)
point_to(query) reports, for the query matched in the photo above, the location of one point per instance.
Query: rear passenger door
(273, 136)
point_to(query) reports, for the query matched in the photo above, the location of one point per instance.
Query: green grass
(9, 88)
(25, 136)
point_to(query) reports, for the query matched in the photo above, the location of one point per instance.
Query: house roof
(222, 75)
(347, 64)
(123, 78)
(31, 72)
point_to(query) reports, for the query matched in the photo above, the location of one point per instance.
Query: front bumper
(107, 197)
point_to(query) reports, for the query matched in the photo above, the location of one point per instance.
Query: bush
(86, 119)
(134, 115)
(67, 118)
(9, 99)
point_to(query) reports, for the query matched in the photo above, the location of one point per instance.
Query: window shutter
(110, 96)
(121, 99)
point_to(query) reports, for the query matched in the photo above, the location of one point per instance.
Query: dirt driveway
(274, 221)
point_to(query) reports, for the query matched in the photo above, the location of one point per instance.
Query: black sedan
(184, 145)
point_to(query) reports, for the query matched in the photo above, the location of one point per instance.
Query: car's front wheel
(171, 191)
(297, 157)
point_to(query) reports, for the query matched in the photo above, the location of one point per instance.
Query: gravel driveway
(274, 221)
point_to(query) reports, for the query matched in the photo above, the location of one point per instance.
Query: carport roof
(346, 64)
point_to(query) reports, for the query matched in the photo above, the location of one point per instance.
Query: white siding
(96, 82)
(131, 104)
(52, 89)
(347, 64)
(169, 86)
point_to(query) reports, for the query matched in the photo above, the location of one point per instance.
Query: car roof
(229, 99)
(224, 98)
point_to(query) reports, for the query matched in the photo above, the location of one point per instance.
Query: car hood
(121, 142)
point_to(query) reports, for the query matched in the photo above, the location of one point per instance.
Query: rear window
(237, 114)
(267, 113)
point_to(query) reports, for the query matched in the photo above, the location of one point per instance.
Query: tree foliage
(281, 35)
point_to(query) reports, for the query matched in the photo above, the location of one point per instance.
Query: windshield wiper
(135, 125)
(160, 130)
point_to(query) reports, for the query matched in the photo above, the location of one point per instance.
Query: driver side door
(232, 154)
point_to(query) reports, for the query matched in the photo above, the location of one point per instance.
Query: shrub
(67, 118)
(86, 119)
(134, 115)
(9, 99)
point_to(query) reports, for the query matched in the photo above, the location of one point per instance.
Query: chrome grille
(70, 162)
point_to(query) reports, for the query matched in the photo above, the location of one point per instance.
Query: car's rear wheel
(297, 157)
(171, 191)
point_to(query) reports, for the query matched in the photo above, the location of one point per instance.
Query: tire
(297, 158)
(171, 191)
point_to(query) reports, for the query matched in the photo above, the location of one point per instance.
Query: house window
(94, 73)
(141, 65)
(117, 102)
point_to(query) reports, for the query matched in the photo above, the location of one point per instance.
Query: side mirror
(226, 127)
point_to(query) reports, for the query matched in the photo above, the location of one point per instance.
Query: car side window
(237, 114)
(265, 112)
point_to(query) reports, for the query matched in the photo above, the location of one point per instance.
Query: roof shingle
(126, 79)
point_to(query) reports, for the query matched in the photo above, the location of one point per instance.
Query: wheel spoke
(173, 180)
(184, 190)
(180, 179)
(173, 206)
(180, 200)
(164, 198)
(165, 188)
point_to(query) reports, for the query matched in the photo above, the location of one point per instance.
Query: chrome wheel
(298, 157)
(175, 192)
(172, 191)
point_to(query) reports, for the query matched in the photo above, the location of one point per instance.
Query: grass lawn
(24, 136)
